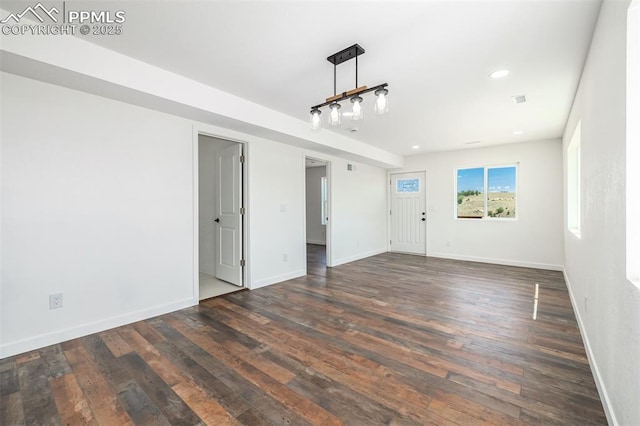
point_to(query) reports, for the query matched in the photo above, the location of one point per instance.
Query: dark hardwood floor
(316, 259)
(392, 339)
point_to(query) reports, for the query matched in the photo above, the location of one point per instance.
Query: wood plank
(169, 372)
(102, 399)
(470, 408)
(174, 408)
(254, 417)
(115, 343)
(11, 410)
(72, 405)
(138, 405)
(200, 402)
(37, 401)
(27, 357)
(149, 334)
(55, 360)
(9, 382)
(350, 406)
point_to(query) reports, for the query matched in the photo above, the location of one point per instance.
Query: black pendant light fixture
(381, 104)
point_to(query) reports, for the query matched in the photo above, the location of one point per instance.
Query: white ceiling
(435, 55)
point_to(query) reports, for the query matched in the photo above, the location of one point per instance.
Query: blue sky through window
(502, 179)
(471, 179)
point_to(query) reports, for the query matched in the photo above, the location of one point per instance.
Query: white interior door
(228, 215)
(408, 214)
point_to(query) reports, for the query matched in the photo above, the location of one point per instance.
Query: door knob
(217, 220)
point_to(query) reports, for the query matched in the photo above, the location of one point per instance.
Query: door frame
(426, 208)
(328, 233)
(215, 133)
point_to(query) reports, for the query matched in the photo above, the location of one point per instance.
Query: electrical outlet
(285, 257)
(55, 301)
(448, 244)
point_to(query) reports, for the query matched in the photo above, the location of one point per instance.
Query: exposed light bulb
(315, 119)
(334, 115)
(357, 108)
(382, 103)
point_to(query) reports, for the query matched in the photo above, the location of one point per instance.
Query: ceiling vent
(519, 99)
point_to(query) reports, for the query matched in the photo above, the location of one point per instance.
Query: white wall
(606, 303)
(316, 231)
(207, 203)
(98, 203)
(357, 211)
(276, 213)
(533, 240)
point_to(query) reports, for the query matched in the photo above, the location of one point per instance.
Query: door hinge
(241, 210)
(242, 262)
(242, 159)
(389, 212)
(389, 242)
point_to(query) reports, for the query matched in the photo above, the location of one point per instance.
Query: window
(498, 201)
(573, 182)
(323, 200)
(408, 185)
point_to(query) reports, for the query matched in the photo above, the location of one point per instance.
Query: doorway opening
(317, 215)
(220, 216)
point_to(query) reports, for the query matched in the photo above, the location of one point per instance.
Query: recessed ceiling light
(415, 147)
(499, 74)
(518, 132)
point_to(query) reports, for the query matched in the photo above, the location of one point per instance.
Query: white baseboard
(277, 279)
(506, 262)
(42, 340)
(602, 390)
(359, 256)
(317, 242)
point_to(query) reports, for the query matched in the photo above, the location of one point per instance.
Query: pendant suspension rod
(356, 71)
(334, 80)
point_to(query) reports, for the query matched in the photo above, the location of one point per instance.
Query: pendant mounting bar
(346, 54)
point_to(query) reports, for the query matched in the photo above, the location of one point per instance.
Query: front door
(228, 215)
(408, 214)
